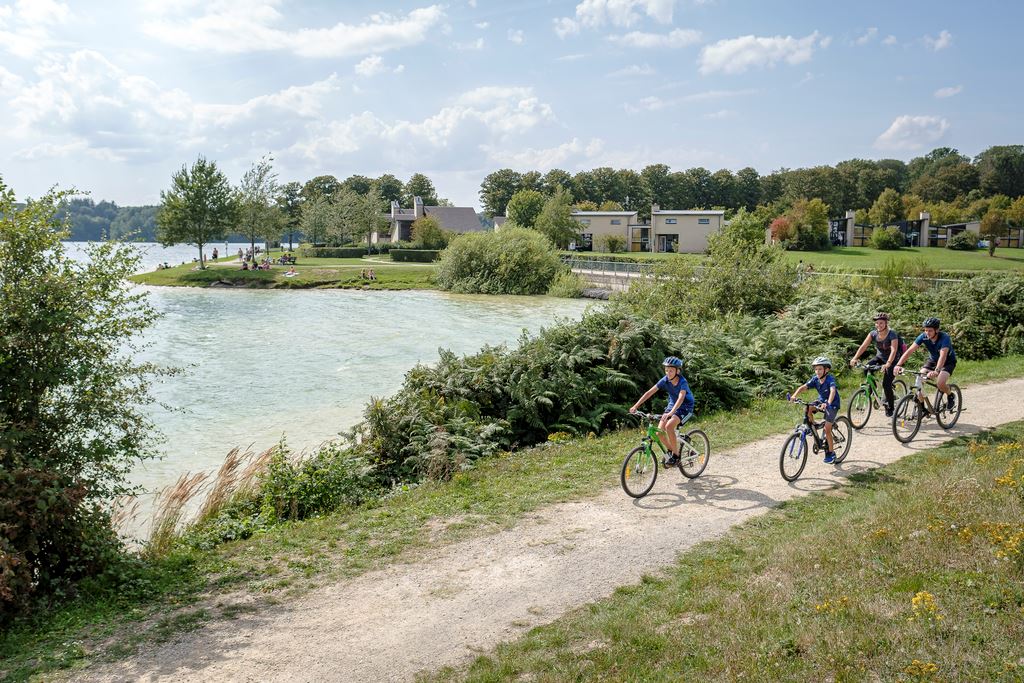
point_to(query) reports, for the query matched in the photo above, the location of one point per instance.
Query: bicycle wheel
(639, 472)
(793, 457)
(859, 410)
(842, 438)
(906, 419)
(899, 390)
(694, 453)
(945, 417)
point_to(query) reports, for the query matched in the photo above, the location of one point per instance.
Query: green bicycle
(640, 468)
(870, 396)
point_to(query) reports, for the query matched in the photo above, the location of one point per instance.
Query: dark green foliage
(415, 255)
(70, 424)
(507, 261)
(887, 238)
(330, 479)
(331, 252)
(984, 315)
(963, 241)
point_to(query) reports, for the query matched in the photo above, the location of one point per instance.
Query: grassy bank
(173, 594)
(323, 273)
(914, 572)
(864, 259)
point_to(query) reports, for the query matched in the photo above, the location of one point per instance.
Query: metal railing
(596, 264)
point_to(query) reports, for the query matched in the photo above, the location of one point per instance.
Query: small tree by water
(199, 208)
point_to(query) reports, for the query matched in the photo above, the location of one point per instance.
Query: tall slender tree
(259, 216)
(199, 208)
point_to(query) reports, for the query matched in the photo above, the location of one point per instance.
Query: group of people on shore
(367, 274)
(891, 352)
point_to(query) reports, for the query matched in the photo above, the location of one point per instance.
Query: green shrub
(568, 285)
(896, 274)
(887, 238)
(983, 315)
(415, 255)
(963, 241)
(612, 243)
(308, 251)
(508, 261)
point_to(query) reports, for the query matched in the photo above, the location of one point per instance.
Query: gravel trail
(465, 598)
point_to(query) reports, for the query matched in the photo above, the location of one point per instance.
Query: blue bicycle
(794, 452)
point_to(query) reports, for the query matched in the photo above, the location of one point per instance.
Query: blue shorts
(682, 414)
(831, 412)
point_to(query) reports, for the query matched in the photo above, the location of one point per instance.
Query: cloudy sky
(112, 97)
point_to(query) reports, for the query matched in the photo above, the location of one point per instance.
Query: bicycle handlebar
(653, 417)
(800, 401)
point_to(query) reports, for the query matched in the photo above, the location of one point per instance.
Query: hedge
(417, 255)
(332, 252)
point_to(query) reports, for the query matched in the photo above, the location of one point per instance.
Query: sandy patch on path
(465, 598)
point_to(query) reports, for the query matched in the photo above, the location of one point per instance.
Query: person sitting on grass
(941, 361)
(370, 275)
(678, 410)
(291, 272)
(245, 265)
(828, 400)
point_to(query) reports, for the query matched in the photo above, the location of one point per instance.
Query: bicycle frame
(920, 396)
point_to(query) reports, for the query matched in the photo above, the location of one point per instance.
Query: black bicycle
(794, 452)
(915, 406)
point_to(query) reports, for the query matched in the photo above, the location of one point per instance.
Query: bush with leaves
(611, 243)
(984, 315)
(887, 239)
(70, 397)
(512, 260)
(568, 285)
(963, 241)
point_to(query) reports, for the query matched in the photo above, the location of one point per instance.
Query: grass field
(868, 259)
(913, 572)
(293, 558)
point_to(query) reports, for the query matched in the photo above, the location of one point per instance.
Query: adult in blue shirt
(942, 357)
(828, 399)
(678, 409)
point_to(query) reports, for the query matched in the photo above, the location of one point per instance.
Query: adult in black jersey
(888, 348)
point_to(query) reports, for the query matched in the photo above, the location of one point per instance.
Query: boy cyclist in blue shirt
(942, 357)
(678, 410)
(828, 399)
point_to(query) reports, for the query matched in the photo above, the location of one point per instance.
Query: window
(670, 221)
(585, 221)
(704, 221)
(616, 221)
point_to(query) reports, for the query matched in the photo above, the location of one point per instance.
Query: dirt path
(467, 597)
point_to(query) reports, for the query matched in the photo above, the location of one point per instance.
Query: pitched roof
(455, 218)
(689, 212)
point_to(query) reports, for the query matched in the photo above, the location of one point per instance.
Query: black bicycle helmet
(931, 322)
(672, 362)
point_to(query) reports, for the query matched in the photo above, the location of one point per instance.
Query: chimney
(395, 206)
(417, 207)
(654, 208)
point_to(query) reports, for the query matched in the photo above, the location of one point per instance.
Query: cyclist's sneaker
(888, 411)
(671, 460)
(951, 401)
(830, 457)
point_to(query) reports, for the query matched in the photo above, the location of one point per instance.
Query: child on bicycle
(942, 357)
(678, 410)
(828, 400)
(888, 347)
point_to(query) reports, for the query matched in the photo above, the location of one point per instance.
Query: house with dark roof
(457, 219)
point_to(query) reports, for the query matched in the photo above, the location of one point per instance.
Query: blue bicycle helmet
(672, 362)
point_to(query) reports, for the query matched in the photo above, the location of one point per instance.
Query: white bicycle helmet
(822, 360)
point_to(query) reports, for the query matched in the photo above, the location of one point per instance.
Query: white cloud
(624, 13)
(708, 95)
(237, 26)
(655, 103)
(721, 114)
(649, 103)
(25, 26)
(889, 40)
(940, 42)
(571, 58)
(912, 132)
(867, 36)
(9, 82)
(633, 70)
(736, 55)
(477, 44)
(515, 36)
(808, 77)
(545, 158)
(482, 25)
(676, 38)
(942, 93)
(370, 66)
(825, 42)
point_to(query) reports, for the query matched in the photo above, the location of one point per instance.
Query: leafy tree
(512, 260)
(611, 243)
(135, 222)
(524, 208)
(748, 188)
(319, 219)
(497, 189)
(390, 189)
(554, 179)
(199, 208)
(809, 218)
(1015, 214)
(70, 395)
(359, 184)
(586, 205)
(699, 184)
(944, 213)
(657, 186)
(361, 214)
(994, 226)
(531, 180)
(1001, 170)
(289, 203)
(634, 194)
(259, 216)
(556, 221)
(609, 205)
(420, 186)
(888, 208)
(723, 189)
(912, 206)
(427, 231)
(321, 186)
(585, 187)
(748, 226)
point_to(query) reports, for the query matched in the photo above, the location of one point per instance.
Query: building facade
(457, 219)
(668, 230)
